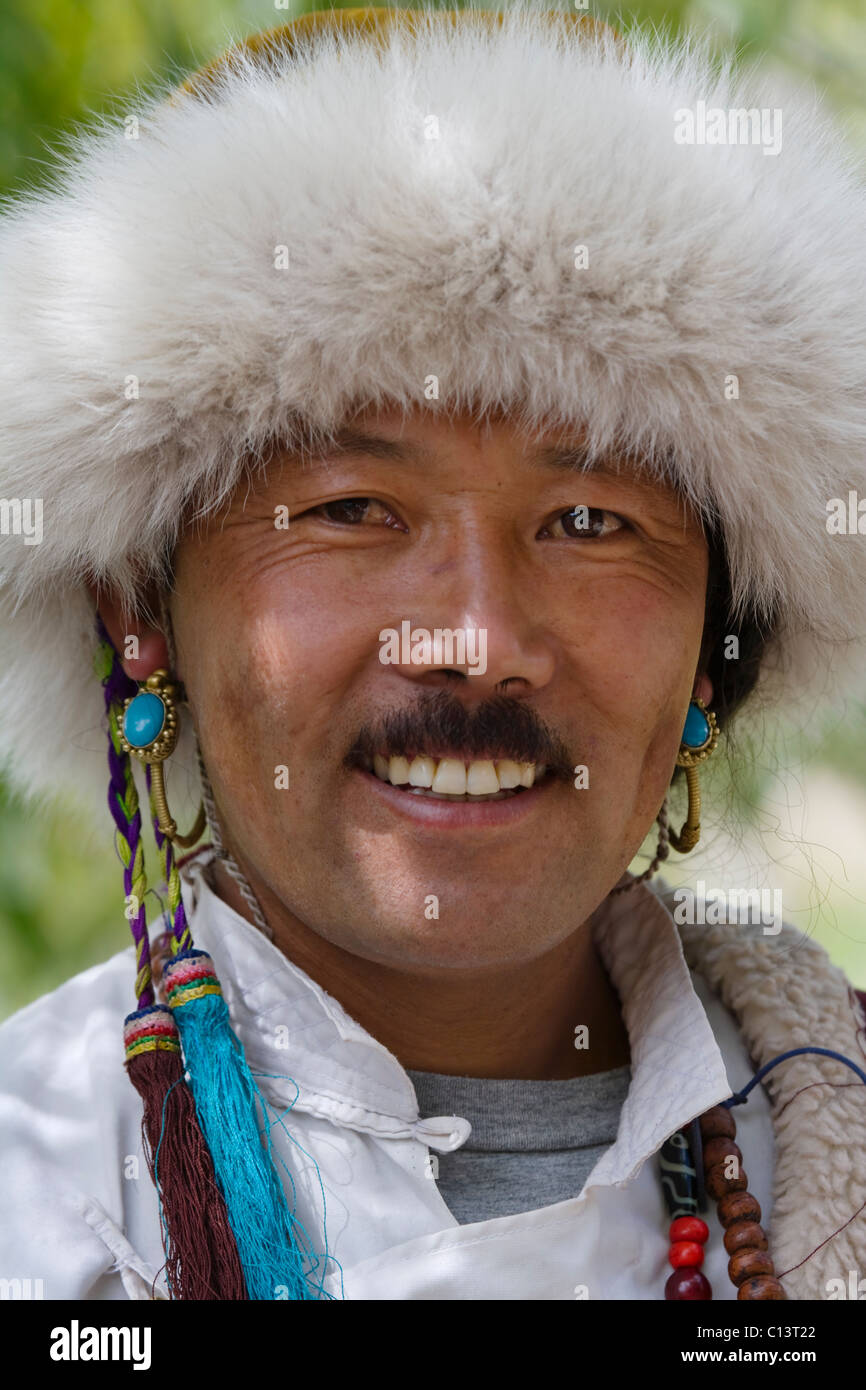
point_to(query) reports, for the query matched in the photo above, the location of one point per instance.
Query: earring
(700, 736)
(149, 731)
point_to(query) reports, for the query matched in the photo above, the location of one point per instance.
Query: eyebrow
(351, 441)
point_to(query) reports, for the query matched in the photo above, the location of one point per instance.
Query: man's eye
(354, 511)
(586, 523)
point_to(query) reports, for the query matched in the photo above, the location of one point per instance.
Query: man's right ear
(142, 648)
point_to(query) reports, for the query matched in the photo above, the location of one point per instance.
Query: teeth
(481, 779)
(421, 772)
(398, 771)
(509, 773)
(451, 777)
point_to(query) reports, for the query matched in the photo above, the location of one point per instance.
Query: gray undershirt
(533, 1143)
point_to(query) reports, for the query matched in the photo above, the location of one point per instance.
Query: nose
(479, 620)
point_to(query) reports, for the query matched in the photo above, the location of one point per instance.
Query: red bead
(686, 1252)
(688, 1284)
(689, 1228)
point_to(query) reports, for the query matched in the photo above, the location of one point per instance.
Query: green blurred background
(792, 817)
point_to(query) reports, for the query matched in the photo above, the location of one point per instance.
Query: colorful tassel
(201, 1256)
(227, 1228)
(226, 1098)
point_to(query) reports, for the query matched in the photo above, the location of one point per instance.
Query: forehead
(422, 438)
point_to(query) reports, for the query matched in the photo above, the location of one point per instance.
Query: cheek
(268, 674)
(634, 665)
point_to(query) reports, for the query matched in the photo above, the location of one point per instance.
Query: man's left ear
(703, 689)
(142, 648)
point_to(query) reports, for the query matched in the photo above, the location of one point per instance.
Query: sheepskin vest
(785, 993)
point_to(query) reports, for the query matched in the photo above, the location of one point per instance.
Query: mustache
(499, 727)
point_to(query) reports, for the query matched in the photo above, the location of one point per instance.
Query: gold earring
(700, 736)
(149, 730)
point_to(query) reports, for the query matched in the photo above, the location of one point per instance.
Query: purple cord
(118, 687)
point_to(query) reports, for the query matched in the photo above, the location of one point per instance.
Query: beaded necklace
(703, 1161)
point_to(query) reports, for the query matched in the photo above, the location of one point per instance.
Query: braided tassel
(227, 1100)
(201, 1255)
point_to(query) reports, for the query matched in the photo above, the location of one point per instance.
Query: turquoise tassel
(226, 1098)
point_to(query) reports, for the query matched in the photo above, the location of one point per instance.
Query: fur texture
(154, 258)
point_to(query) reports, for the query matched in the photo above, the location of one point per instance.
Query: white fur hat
(431, 191)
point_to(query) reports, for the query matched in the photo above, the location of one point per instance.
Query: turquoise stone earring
(144, 719)
(700, 736)
(697, 729)
(149, 730)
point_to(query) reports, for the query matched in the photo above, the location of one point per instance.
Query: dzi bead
(678, 1176)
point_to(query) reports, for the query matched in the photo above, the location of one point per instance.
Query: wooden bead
(718, 1185)
(748, 1263)
(717, 1150)
(762, 1286)
(718, 1123)
(750, 1266)
(738, 1206)
(745, 1235)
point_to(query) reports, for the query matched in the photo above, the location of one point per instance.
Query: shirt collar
(677, 1068)
(286, 1021)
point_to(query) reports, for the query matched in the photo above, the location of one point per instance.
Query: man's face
(590, 622)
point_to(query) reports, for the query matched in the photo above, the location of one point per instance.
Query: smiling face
(584, 590)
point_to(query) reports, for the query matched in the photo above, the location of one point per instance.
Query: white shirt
(79, 1213)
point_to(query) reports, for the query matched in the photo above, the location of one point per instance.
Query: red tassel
(201, 1255)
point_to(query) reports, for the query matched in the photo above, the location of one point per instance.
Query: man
(432, 500)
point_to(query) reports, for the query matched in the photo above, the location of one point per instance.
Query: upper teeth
(455, 778)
